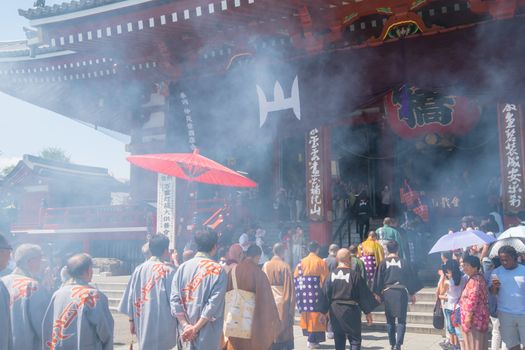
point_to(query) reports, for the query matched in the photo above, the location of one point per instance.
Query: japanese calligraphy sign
(314, 192)
(166, 201)
(510, 123)
(189, 120)
(413, 112)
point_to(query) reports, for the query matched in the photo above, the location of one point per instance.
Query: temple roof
(44, 168)
(64, 8)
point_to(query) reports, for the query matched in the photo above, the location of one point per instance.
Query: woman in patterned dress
(474, 307)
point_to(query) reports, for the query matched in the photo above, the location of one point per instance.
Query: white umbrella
(514, 232)
(460, 240)
(517, 243)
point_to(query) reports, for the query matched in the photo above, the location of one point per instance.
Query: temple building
(304, 96)
(68, 208)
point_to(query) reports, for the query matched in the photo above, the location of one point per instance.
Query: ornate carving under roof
(65, 7)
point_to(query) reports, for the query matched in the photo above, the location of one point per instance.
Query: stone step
(426, 296)
(422, 306)
(111, 286)
(113, 293)
(379, 326)
(113, 302)
(420, 318)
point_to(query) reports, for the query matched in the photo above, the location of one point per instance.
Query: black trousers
(353, 339)
(396, 332)
(363, 226)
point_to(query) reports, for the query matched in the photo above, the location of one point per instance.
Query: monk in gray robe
(147, 299)
(6, 338)
(280, 278)
(78, 317)
(265, 321)
(29, 298)
(197, 296)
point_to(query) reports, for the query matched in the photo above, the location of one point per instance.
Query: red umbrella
(191, 167)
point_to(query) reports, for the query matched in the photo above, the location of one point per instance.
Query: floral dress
(474, 305)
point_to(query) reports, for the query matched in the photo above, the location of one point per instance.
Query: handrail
(339, 232)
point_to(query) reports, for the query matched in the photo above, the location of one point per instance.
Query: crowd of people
(479, 294)
(245, 298)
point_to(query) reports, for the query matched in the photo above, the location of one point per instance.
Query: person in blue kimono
(197, 296)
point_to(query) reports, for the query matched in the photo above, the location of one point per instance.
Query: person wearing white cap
(29, 299)
(6, 338)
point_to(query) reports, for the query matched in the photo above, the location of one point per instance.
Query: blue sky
(26, 129)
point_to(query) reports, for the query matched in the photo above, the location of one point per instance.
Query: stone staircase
(419, 318)
(113, 287)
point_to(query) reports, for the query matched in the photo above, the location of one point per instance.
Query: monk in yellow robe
(371, 252)
(280, 278)
(309, 277)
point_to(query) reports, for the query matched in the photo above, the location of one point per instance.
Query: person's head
(344, 257)
(332, 250)
(28, 257)
(279, 250)
(80, 267)
(254, 253)
(372, 235)
(453, 272)
(206, 241)
(471, 265)
(313, 247)
(187, 254)
(392, 247)
(159, 246)
(299, 230)
(235, 252)
(5, 252)
(387, 221)
(446, 256)
(145, 251)
(353, 249)
(508, 257)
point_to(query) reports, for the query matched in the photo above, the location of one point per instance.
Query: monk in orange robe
(280, 278)
(265, 322)
(309, 277)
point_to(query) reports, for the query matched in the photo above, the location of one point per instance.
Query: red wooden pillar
(321, 225)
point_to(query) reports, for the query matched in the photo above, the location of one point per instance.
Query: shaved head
(343, 256)
(235, 252)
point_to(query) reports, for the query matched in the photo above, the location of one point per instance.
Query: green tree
(5, 171)
(55, 153)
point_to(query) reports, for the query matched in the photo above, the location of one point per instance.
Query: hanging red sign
(414, 112)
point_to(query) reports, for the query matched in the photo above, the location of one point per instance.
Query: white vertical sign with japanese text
(166, 201)
(314, 193)
(511, 145)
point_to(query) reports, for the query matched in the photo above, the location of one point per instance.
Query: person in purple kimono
(28, 298)
(78, 317)
(197, 296)
(6, 338)
(147, 299)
